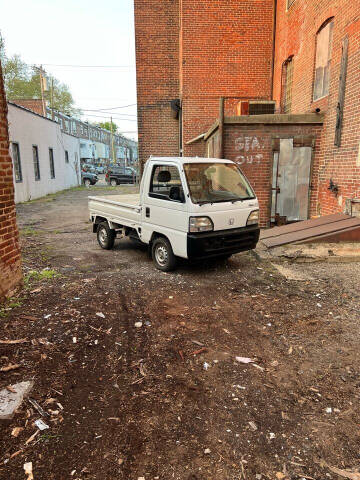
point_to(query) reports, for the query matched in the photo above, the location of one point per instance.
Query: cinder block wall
(10, 266)
(296, 35)
(226, 52)
(157, 68)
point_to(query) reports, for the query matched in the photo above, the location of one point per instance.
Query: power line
(116, 118)
(87, 66)
(106, 109)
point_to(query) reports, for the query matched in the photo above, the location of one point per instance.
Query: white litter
(41, 425)
(244, 360)
(100, 314)
(206, 366)
(29, 471)
(138, 324)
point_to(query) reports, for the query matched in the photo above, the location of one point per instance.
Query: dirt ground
(168, 399)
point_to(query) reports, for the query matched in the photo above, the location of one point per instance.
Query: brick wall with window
(313, 33)
(10, 265)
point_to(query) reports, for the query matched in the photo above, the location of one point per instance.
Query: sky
(79, 32)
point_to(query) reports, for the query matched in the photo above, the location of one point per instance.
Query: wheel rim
(113, 183)
(87, 183)
(161, 255)
(103, 236)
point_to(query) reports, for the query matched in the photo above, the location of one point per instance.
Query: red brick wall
(226, 52)
(257, 163)
(35, 105)
(157, 62)
(197, 50)
(296, 35)
(10, 267)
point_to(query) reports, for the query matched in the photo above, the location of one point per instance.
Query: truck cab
(192, 208)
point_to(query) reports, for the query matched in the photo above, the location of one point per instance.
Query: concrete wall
(10, 263)
(297, 28)
(28, 129)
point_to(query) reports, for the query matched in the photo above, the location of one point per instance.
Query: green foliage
(9, 305)
(35, 276)
(23, 82)
(108, 126)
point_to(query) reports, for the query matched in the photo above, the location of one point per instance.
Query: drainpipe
(273, 51)
(221, 127)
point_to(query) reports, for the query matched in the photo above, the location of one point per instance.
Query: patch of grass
(10, 304)
(47, 437)
(29, 232)
(38, 276)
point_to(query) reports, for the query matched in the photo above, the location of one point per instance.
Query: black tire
(162, 255)
(87, 182)
(105, 236)
(113, 182)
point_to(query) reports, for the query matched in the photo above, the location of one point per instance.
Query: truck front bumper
(222, 242)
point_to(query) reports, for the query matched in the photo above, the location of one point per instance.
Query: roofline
(31, 111)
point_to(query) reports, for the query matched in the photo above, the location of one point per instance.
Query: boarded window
(36, 162)
(66, 156)
(323, 61)
(17, 162)
(287, 83)
(51, 161)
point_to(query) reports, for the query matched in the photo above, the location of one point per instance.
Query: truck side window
(166, 184)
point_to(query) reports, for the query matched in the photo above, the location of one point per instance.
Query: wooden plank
(294, 227)
(311, 232)
(342, 88)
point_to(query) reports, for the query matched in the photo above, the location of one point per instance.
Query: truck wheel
(113, 182)
(105, 236)
(87, 182)
(162, 255)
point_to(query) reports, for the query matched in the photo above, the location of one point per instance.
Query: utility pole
(52, 98)
(43, 86)
(112, 141)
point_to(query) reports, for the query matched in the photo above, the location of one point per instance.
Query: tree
(22, 81)
(110, 126)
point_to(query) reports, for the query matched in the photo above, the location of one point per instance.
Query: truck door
(165, 207)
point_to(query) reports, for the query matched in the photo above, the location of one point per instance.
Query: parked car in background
(117, 175)
(100, 169)
(88, 168)
(88, 178)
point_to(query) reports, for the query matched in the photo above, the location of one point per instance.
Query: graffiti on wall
(250, 150)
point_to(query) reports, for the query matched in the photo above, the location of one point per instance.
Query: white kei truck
(192, 208)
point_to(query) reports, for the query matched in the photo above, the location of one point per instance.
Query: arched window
(286, 87)
(323, 60)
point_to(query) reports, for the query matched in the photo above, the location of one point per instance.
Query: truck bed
(121, 209)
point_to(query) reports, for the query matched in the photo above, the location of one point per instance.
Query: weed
(29, 232)
(9, 305)
(35, 276)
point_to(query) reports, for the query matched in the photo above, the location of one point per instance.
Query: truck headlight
(253, 218)
(200, 224)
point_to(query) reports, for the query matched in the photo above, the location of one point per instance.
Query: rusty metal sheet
(295, 227)
(297, 236)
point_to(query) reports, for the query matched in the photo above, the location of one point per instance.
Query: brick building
(10, 266)
(288, 74)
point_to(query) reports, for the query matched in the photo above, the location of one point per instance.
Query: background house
(46, 160)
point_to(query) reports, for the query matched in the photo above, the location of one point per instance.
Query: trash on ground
(28, 467)
(207, 451)
(41, 425)
(138, 324)
(244, 360)
(100, 314)
(328, 410)
(206, 366)
(11, 399)
(272, 436)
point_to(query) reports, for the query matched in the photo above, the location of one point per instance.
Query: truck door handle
(147, 212)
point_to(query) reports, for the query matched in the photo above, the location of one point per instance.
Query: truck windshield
(216, 182)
